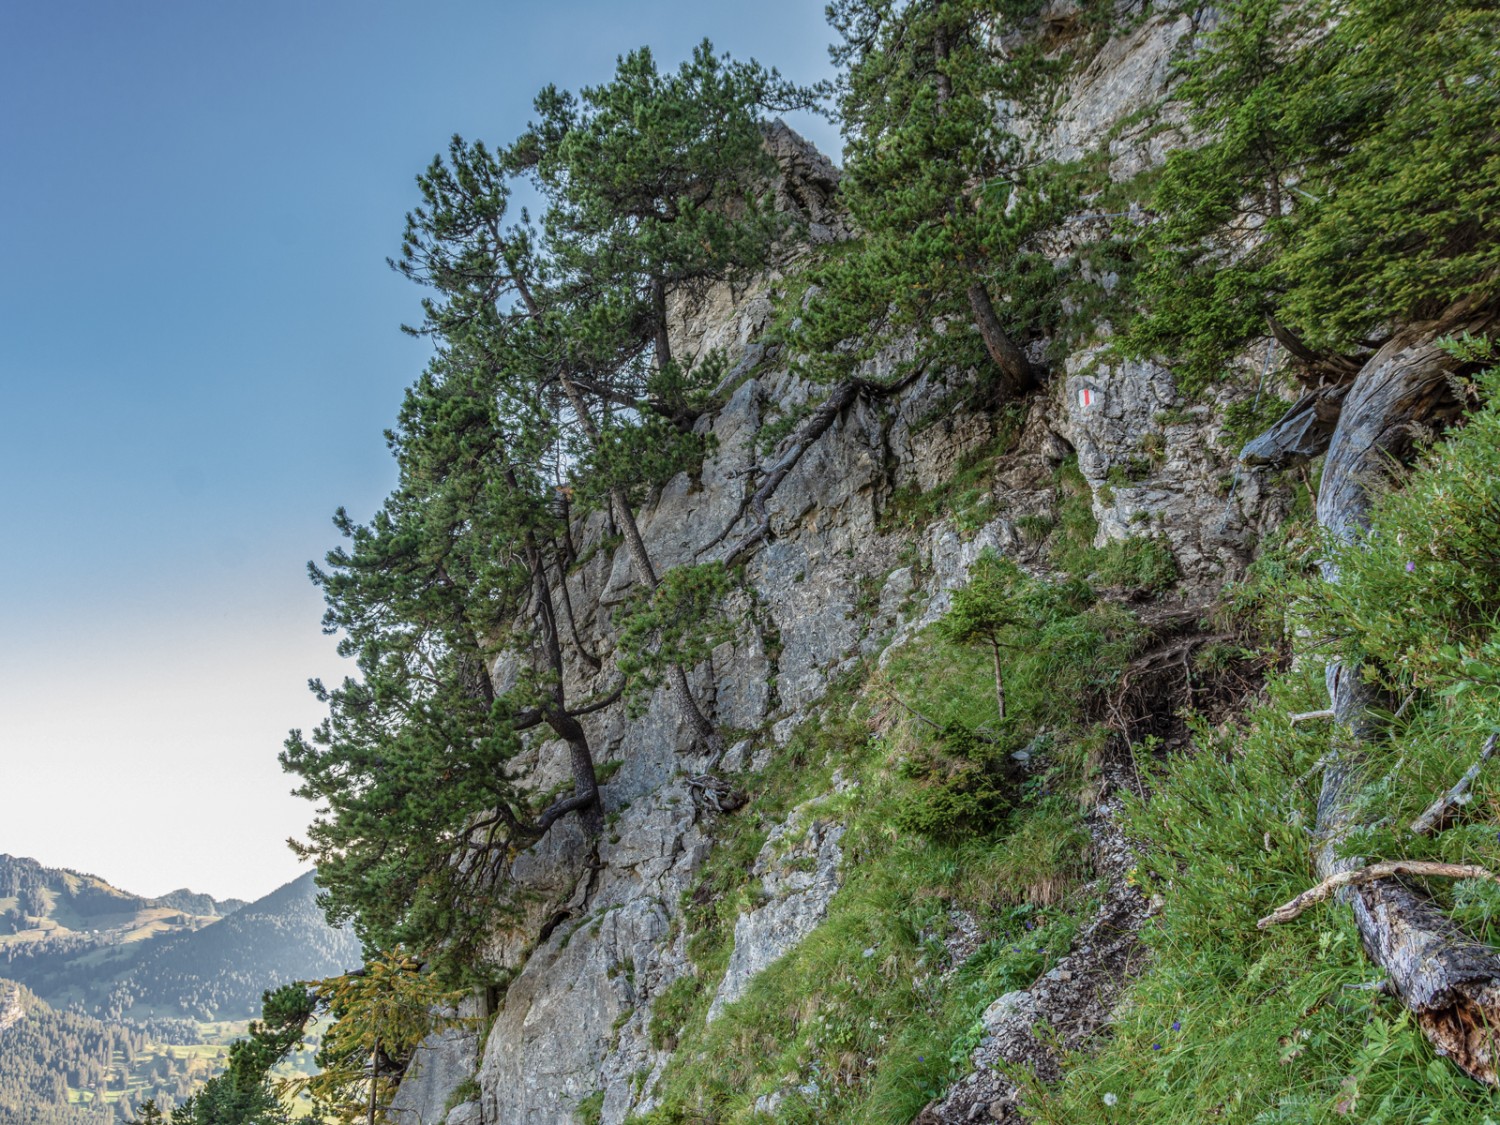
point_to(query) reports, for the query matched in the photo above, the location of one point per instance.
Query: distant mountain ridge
(220, 971)
(82, 944)
(40, 903)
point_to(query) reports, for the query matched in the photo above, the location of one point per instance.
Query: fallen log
(1449, 981)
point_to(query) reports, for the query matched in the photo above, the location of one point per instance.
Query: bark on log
(1301, 434)
(1449, 981)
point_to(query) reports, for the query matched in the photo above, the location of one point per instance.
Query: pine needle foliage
(943, 198)
(1346, 179)
(552, 383)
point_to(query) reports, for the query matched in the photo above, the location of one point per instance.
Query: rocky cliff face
(839, 582)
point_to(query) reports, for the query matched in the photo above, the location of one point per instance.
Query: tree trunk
(663, 344)
(1449, 981)
(555, 713)
(374, 1078)
(811, 430)
(682, 692)
(771, 475)
(1018, 374)
(621, 509)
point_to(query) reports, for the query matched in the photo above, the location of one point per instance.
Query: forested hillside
(999, 630)
(221, 972)
(62, 1068)
(142, 1008)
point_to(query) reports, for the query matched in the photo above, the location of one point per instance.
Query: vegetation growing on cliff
(869, 1017)
(1343, 188)
(944, 198)
(1345, 183)
(1283, 1024)
(553, 385)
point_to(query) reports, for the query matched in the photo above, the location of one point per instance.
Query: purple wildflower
(1176, 1025)
(1156, 1046)
(1411, 568)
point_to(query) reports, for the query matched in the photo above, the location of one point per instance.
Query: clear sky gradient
(199, 351)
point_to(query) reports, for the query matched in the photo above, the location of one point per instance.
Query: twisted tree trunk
(1449, 981)
(640, 558)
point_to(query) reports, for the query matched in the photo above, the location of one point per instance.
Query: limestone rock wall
(601, 941)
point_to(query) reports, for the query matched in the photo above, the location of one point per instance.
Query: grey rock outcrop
(443, 1063)
(798, 868)
(1118, 101)
(1157, 466)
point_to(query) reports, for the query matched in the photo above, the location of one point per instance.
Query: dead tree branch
(1309, 716)
(1440, 811)
(1337, 882)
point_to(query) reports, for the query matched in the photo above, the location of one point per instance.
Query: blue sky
(199, 351)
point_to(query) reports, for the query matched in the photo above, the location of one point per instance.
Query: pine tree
(1346, 183)
(552, 377)
(942, 194)
(656, 185)
(1005, 609)
(412, 764)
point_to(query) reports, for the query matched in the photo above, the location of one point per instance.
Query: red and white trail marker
(1087, 396)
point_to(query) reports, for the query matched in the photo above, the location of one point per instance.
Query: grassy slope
(1274, 1025)
(1228, 1022)
(869, 1016)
